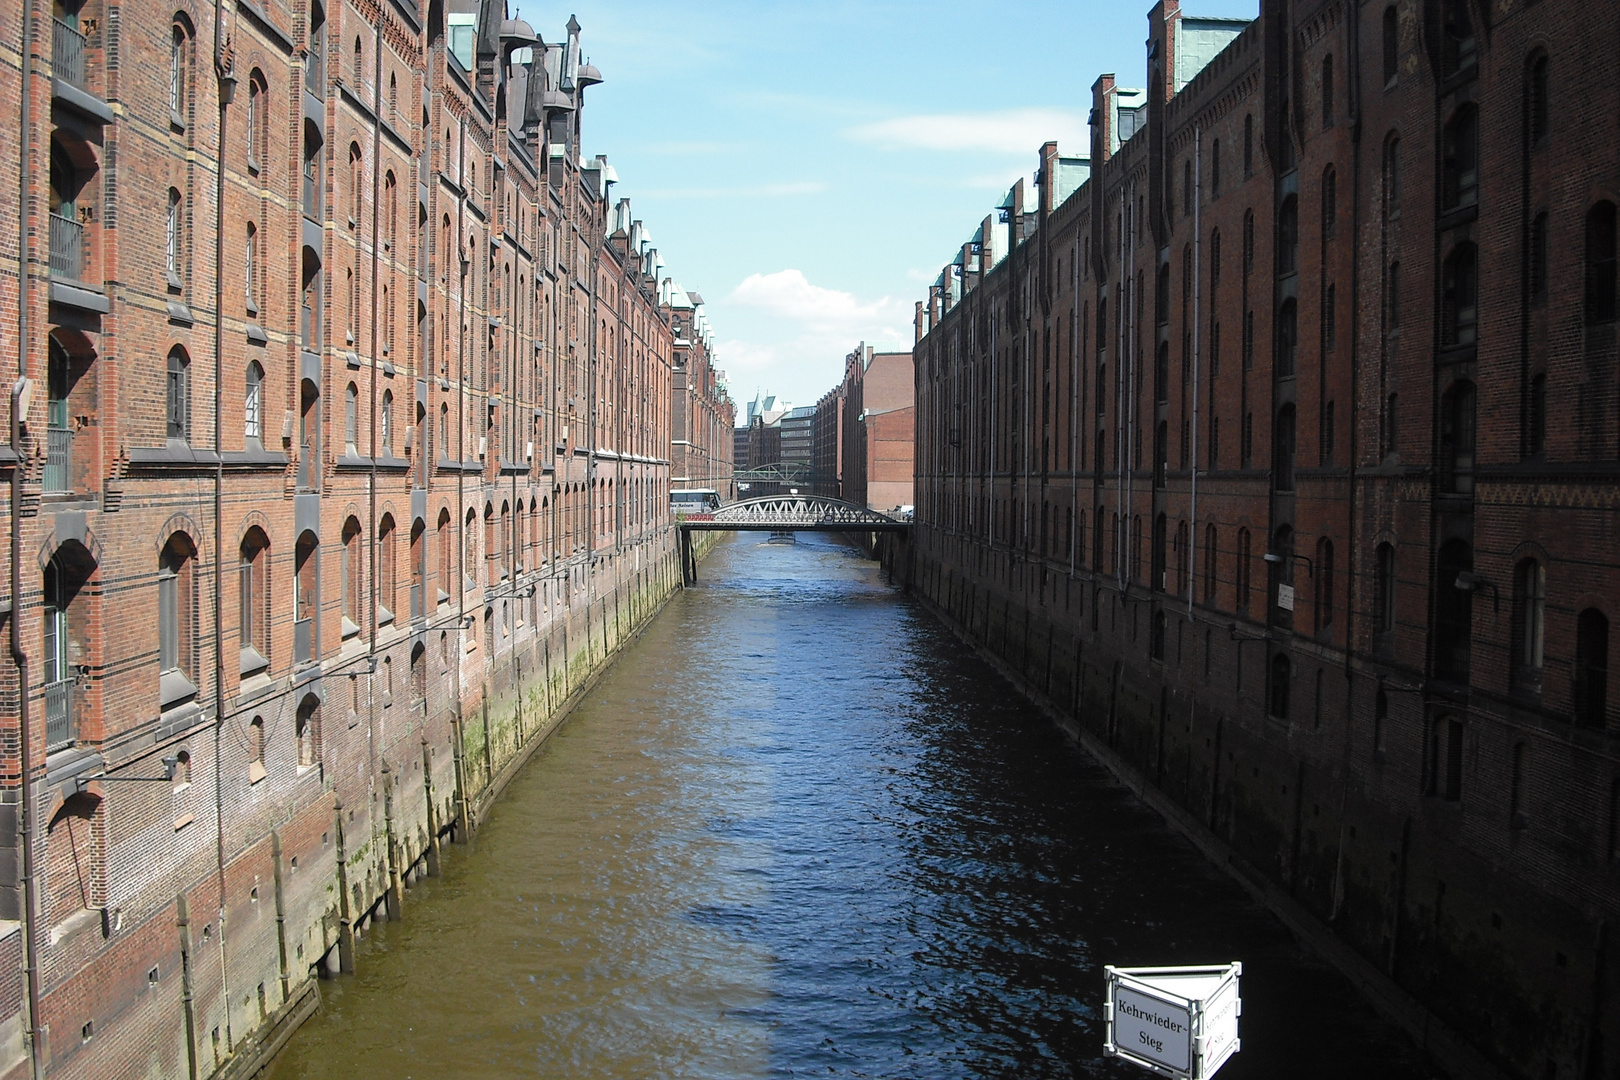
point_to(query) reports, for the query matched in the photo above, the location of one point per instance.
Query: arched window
(1279, 685)
(306, 596)
(1454, 610)
(1240, 576)
(418, 567)
(1248, 146)
(385, 424)
(172, 239)
(253, 601)
(177, 405)
(1156, 639)
(309, 434)
(1248, 242)
(179, 83)
(1392, 177)
(1537, 116)
(1458, 412)
(1283, 455)
(353, 577)
(1529, 623)
(1459, 297)
(387, 579)
(1287, 338)
(1458, 48)
(1392, 45)
(359, 64)
(1187, 193)
(1210, 549)
(256, 769)
(441, 539)
(1214, 259)
(1445, 757)
(1324, 584)
(1288, 236)
(1600, 263)
(1591, 683)
(1459, 162)
(351, 419)
(1327, 90)
(1156, 577)
(176, 616)
(250, 272)
(1330, 202)
(308, 731)
(73, 858)
(357, 182)
(1384, 589)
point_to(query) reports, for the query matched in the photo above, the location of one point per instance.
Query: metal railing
(67, 54)
(67, 247)
(58, 460)
(58, 714)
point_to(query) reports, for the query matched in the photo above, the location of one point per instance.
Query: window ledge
(251, 662)
(256, 335)
(175, 454)
(349, 628)
(254, 458)
(174, 689)
(353, 461)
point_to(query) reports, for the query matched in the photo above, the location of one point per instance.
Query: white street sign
(1285, 597)
(1180, 1022)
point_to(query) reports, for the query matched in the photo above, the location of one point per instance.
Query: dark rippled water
(799, 830)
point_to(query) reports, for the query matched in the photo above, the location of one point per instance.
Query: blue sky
(808, 167)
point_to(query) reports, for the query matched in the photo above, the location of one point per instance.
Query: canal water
(800, 830)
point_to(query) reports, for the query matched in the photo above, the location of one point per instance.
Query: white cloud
(1006, 131)
(791, 335)
(788, 294)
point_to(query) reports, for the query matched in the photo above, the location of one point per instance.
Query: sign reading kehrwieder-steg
(1177, 1021)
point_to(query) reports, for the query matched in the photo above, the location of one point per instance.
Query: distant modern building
(798, 447)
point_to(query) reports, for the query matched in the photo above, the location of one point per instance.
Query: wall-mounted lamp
(1468, 581)
(1274, 557)
(171, 765)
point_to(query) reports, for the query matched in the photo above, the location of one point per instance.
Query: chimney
(1049, 180)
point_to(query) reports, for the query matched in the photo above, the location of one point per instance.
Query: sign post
(1180, 1022)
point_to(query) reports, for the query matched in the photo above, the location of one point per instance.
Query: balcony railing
(67, 248)
(67, 54)
(312, 197)
(58, 714)
(58, 460)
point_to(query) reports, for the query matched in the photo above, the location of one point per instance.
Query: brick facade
(1280, 455)
(342, 466)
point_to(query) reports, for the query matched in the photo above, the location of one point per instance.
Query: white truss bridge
(781, 513)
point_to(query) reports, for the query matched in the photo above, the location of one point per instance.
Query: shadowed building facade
(1275, 444)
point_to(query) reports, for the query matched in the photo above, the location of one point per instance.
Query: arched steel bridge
(782, 513)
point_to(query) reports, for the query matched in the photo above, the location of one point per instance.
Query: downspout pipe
(225, 75)
(1197, 275)
(19, 656)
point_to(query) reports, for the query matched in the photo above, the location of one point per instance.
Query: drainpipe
(224, 73)
(25, 810)
(1198, 269)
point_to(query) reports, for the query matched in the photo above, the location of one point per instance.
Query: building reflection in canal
(800, 829)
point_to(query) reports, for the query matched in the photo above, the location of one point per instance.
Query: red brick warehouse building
(1276, 444)
(338, 462)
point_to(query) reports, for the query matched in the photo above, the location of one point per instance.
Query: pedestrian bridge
(782, 513)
